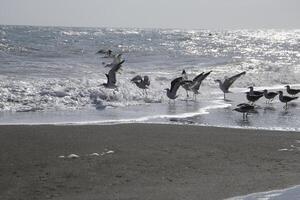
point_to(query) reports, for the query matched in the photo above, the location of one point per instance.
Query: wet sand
(144, 161)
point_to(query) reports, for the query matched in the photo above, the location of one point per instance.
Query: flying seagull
(175, 84)
(292, 91)
(111, 76)
(224, 86)
(285, 99)
(140, 82)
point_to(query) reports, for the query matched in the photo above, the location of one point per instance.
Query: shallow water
(52, 75)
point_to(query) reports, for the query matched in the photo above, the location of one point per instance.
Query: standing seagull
(111, 76)
(292, 91)
(269, 95)
(175, 84)
(285, 99)
(253, 92)
(253, 97)
(141, 83)
(224, 86)
(245, 109)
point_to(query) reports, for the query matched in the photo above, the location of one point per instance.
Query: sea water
(52, 75)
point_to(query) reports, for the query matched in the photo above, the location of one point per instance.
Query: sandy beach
(144, 161)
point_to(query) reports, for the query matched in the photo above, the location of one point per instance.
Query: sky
(186, 14)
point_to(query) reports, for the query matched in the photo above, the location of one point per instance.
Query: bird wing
(137, 78)
(101, 51)
(229, 81)
(117, 66)
(198, 80)
(117, 59)
(175, 84)
(288, 98)
(245, 106)
(198, 77)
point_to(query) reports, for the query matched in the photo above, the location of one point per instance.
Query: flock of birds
(194, 86)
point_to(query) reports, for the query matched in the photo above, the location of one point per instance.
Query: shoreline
(147, 161)
(129, 122)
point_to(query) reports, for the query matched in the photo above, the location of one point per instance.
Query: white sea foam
(74, 33)
(291, 193)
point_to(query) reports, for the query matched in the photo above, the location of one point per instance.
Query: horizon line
(162, 28)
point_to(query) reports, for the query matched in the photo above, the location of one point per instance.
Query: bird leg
(187, 94)
(145, 92)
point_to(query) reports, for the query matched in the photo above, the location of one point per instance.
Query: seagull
(197, 82)
(285, 99)
(175, 84)
(194, 85)
(111, 76)
(252, 97)
(140, 82)
(253, 92)
(292, 91)
(269, 95)
(245, 109)
(224, 86)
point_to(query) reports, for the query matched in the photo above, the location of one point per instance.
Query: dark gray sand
(144, 161)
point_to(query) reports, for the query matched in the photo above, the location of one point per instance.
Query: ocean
(52, 75)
